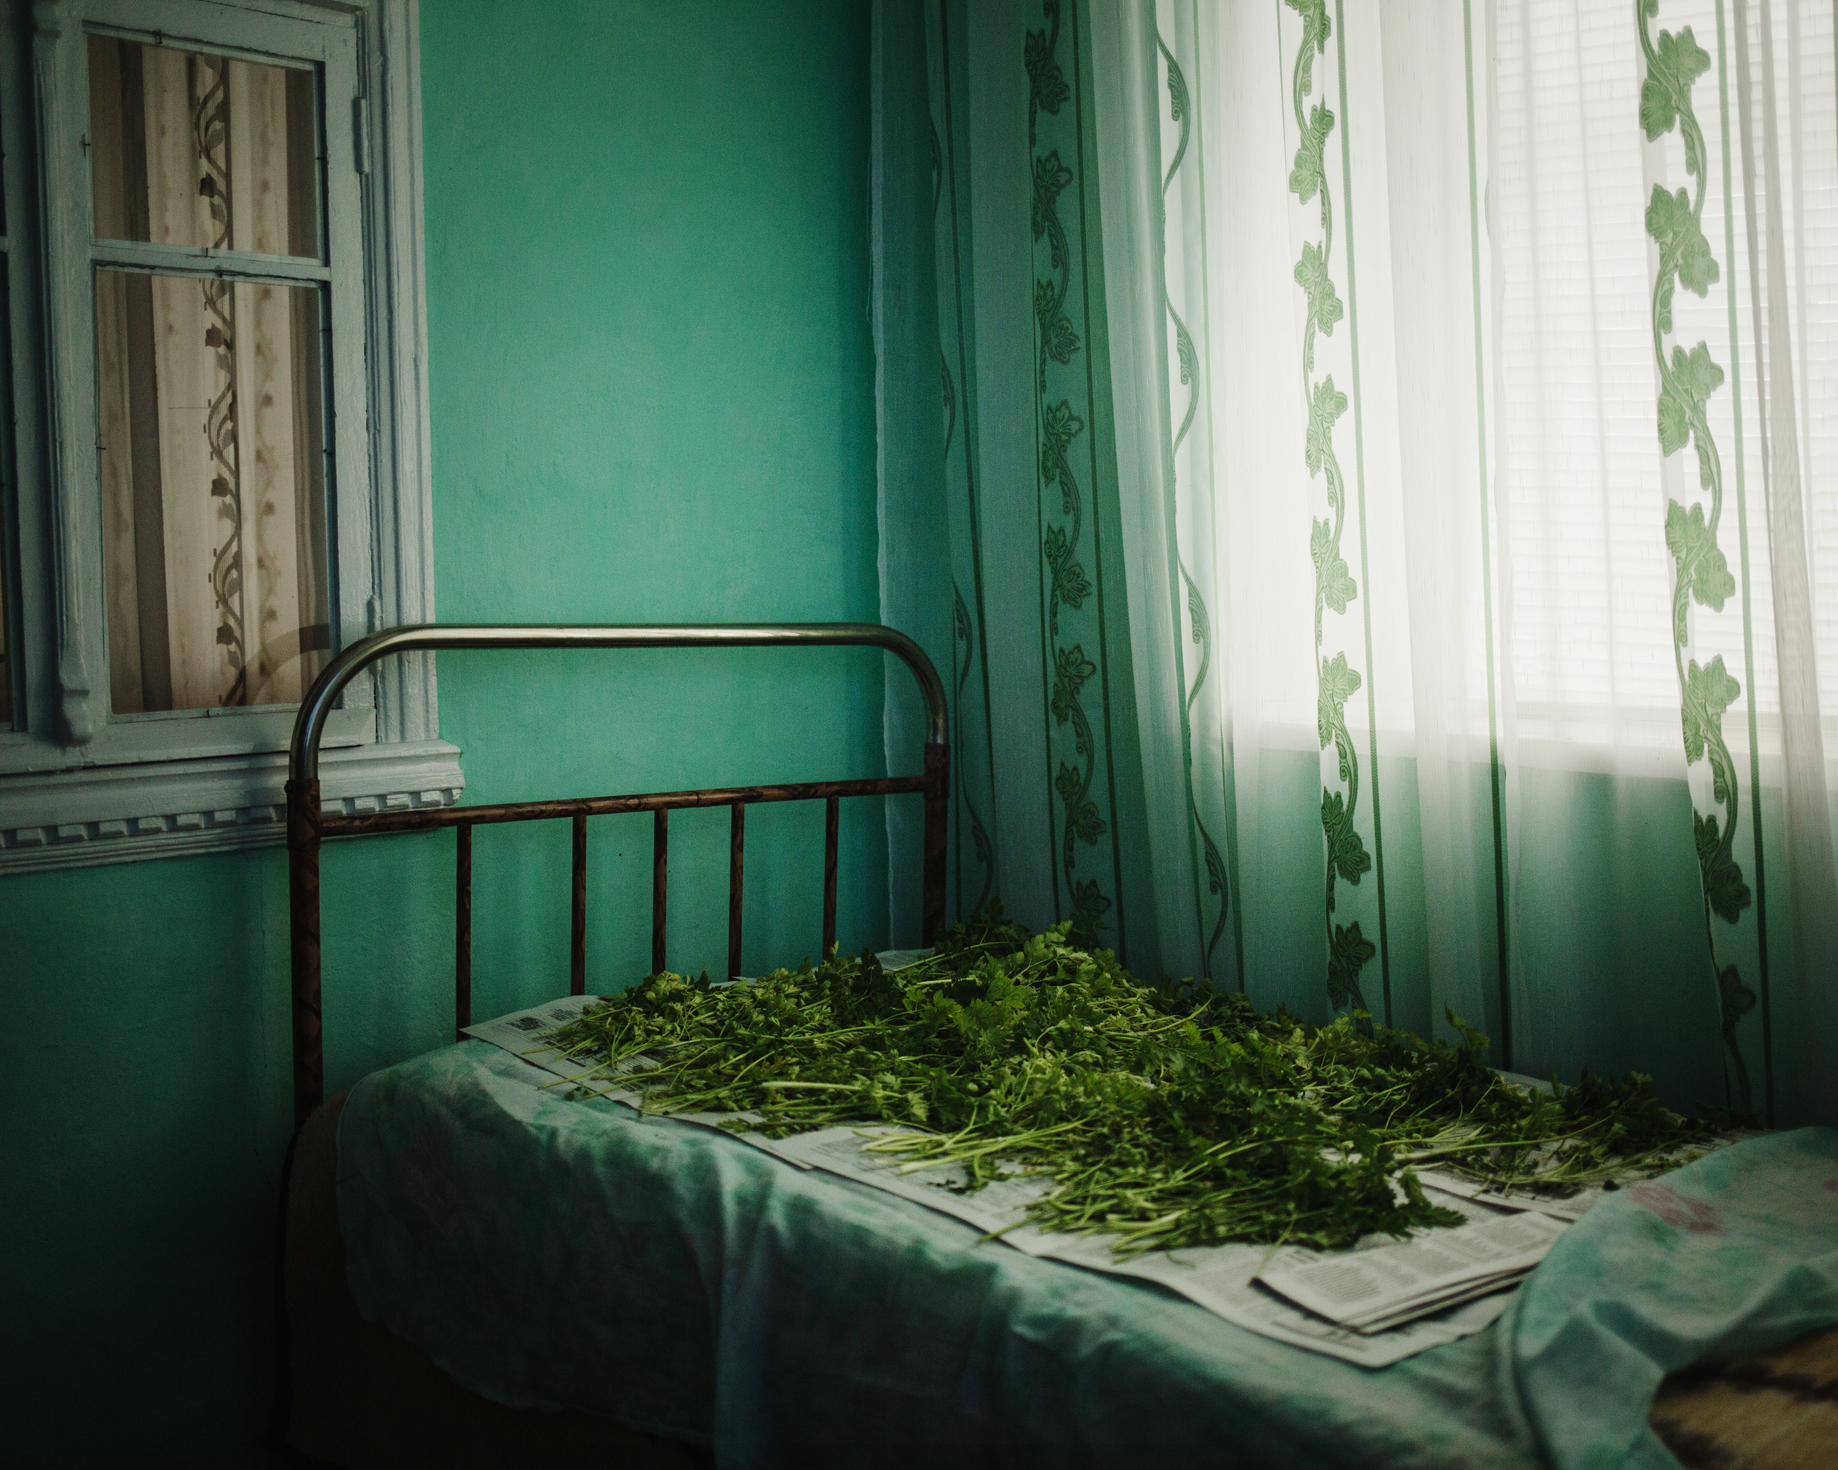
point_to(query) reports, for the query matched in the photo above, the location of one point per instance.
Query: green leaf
(1215, 865)
(1697, 373)
(1308, 176)
(1697, 267)
(1177, 92)
(1339, 683)
(1346, 852)
(1324, 409)
(1057, 339)
(1183, 349)
(1070, 671)
(1059, 426)
(1674, 227)
(1685, 388)
(1081, 815)
(1089, 905)
(1724, 889)
(1054, 547)
(1703, 570)
(1347, 956)
(1668, 214)
(1674, 422)
(1324, 308)
(1677, 63)
(1709, 691)
(1047, 89)
(1334, 582)
(1070, 584)
(1196, 612)
(1736, 998)
(1050, 177)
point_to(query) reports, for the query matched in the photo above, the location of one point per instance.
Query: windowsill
(96, 814)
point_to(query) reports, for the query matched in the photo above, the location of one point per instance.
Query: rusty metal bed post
(303, 840)
(737, 847)
(577, 928)
(462, 931)
(308, 826)
(937, 795)
(832, 810)
(660, 881)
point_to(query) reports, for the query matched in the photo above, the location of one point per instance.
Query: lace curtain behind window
(211, 436)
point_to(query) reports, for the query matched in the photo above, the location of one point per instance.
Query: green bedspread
(560, 1253)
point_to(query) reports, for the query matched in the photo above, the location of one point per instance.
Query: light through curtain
(212, 438)
(1491, 409)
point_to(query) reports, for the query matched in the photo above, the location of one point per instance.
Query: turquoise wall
(652, 393)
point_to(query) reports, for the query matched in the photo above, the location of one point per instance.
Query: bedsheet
(556, 1253)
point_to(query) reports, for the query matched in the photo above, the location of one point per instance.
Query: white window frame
(78, 787)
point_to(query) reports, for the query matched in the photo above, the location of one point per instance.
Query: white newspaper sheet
(521, 1033)
(1367, 1289)
(1222, 1279)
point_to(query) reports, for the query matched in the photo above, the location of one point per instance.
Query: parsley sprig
(1165, 1116)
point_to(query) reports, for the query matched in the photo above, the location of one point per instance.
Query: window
(1592, 654)
(213, 292)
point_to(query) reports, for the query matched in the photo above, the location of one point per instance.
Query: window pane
(6, 663)
(7, 669)
(194, 149)
(212, 458)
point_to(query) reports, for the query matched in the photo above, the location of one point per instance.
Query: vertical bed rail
(832, 811)
(660, 870)
(577, 928)
(462, 932)
(737, 845)
(308, 826)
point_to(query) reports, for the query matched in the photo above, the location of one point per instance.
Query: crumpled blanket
(550, 1252)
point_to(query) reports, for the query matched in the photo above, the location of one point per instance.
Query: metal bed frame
(308, 826)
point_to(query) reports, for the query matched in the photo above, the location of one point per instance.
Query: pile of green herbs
(1166, 1116)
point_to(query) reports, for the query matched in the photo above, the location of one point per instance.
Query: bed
(477, 1269)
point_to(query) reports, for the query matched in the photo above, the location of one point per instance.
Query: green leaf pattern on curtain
(1181, 111)
(1191, 509)
(1073, 653)
(1688, 377)
(1348, 950)
(973, 847)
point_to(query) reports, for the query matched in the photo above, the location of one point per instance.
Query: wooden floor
(1776, 1410)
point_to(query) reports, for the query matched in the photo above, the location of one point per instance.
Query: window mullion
(186, 260)
(350, 485)
(80, 638)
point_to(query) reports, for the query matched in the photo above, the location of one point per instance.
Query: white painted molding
(124, 814)
(389, 78)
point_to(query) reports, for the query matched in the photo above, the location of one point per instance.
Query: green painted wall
(652, 394)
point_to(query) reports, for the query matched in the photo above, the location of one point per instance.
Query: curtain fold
(1392, 505)
(1812, 892)
(1047, 802)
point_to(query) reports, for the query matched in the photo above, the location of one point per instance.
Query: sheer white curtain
(1482, 381)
